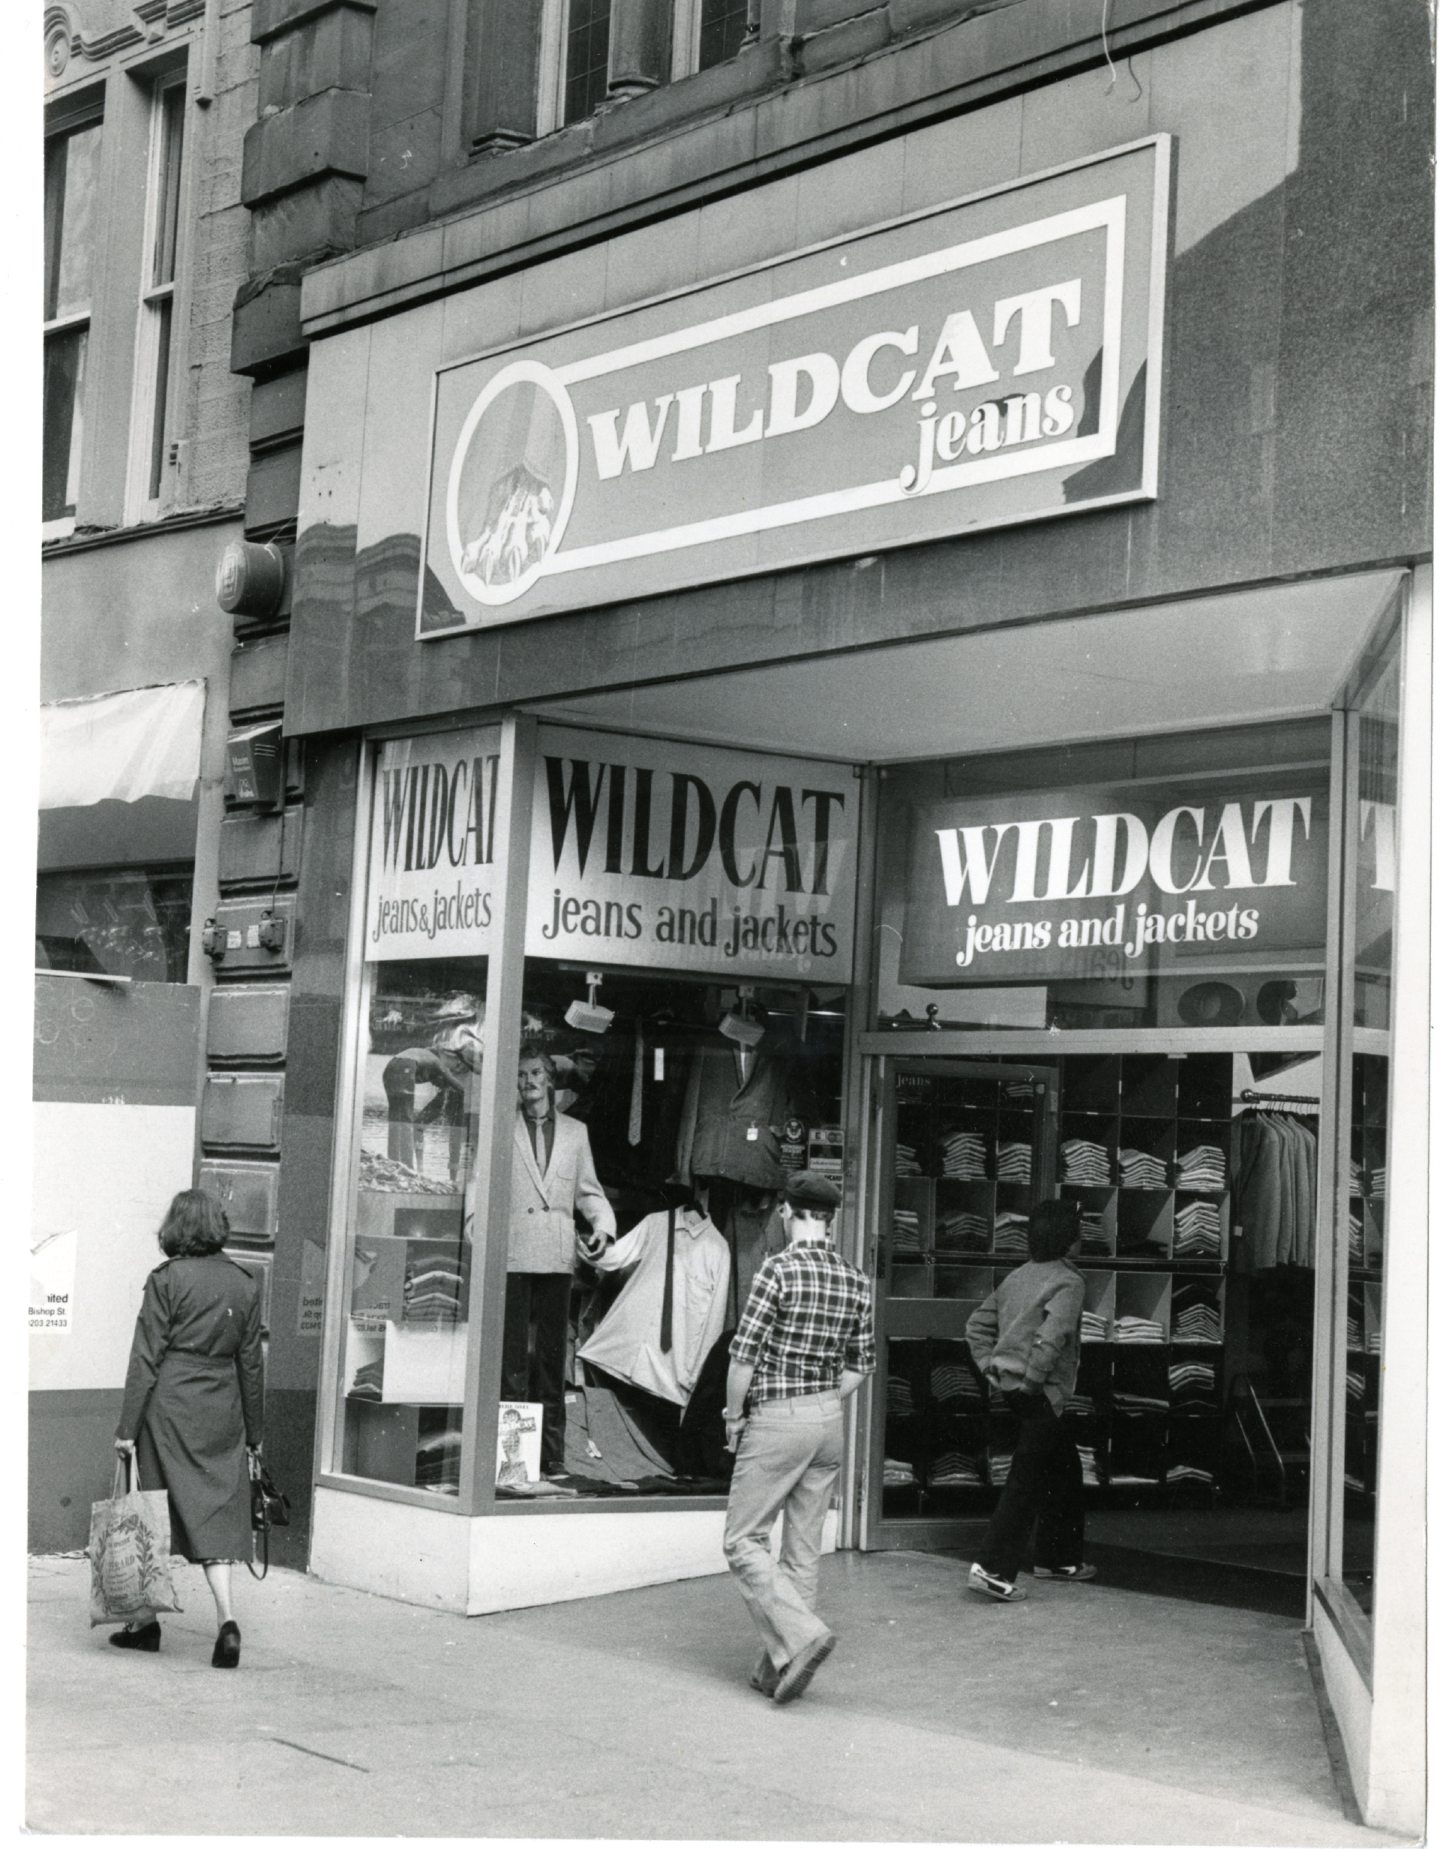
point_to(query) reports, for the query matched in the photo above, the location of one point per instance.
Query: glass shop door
(964, 1149)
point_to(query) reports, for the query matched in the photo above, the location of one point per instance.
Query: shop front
(529, 1309)
(873, 697)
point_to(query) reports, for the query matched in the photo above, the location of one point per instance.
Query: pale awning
(120, 747)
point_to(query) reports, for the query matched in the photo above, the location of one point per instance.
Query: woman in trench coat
(194, 1404)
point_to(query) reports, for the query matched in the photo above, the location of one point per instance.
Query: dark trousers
(537, 1328)
(1043, 1490)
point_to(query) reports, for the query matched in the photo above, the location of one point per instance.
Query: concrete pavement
(1086, 1715)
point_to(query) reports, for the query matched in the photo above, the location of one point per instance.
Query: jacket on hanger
(628, 1342)
(735, 1103)
(1275, 1193)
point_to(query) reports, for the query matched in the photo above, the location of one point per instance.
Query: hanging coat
(194, 1397)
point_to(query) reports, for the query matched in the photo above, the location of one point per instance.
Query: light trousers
(787, 1464)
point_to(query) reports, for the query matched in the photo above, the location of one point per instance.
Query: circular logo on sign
(512, 482)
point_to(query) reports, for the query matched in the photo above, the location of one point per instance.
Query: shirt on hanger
(627, 1342)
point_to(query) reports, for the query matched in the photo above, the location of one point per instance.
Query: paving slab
(1086, 1715)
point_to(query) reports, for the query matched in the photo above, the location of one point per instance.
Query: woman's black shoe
(146, 1638)
(226, 1654)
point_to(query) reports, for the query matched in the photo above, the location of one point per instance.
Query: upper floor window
(707, 32)
(155, 329)
(586, 58)
(72, 174)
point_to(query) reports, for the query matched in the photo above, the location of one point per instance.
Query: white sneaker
(993, 1586)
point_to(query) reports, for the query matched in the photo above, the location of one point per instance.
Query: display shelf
(1205, 1086)
(1145, 1224)
(1090, 1083)
(1149, 1085)
(912, 1279)
(1100, 1294)
(1145, 1298)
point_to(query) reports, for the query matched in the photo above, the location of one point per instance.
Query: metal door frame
(874, 1533)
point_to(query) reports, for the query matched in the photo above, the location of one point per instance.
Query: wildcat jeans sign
(992, 362)
(1028, 888)
(642, 852)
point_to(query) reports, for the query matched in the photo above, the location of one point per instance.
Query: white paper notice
(311, 1313)
(52, 1282)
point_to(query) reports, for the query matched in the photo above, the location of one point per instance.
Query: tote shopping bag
(130, 1550)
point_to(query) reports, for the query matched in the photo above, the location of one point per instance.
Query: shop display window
(118, 921)
(670, 1110)
(1361, 1209)
(1196, 1178)
(406, 1328)
(1136, 884)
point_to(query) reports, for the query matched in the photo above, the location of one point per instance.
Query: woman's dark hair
(194, 1226)
(1054, 1228)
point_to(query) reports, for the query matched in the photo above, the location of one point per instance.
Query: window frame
(554, 61)
(157, 343)
(85, 112)
(687, 38)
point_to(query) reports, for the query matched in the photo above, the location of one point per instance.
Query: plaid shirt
(808, 1318)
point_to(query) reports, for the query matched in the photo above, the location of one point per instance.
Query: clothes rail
(1281, 1100)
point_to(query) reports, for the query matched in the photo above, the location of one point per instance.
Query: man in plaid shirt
(805, 1343)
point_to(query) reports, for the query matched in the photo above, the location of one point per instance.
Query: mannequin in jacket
(552, 1177)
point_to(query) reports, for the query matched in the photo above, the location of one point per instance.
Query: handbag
(269, 1508)
(130, 1549)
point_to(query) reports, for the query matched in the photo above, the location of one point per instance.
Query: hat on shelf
(805, 1188)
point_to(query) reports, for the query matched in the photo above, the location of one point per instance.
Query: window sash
(155, 329)
(64, 428)
(585, 76)
(72, 164)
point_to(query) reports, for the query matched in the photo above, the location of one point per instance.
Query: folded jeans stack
(1197, 1230)
(1093, 1236)
(1202, 1170)
(1086, 1163)
(1012, 1233)
(1195, 1316)
(1138, 1329)
(907, 1159)
(906, 1230)
(963, 1232)
(964, 1156)
(1012, 1162)
(954, 1387)
(1094, 1327)
(1139, 1169)
(954, 1470)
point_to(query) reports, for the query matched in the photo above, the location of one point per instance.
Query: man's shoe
(795, 1676)
(765, 1675)
(146, 1638)
(1073, 1574)
(226, 1654)
(993, 1586)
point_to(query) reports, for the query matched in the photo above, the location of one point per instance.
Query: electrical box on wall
(253, 766)
(251, 933)
(249, 1023)
(241, 1111)
(249, 1193)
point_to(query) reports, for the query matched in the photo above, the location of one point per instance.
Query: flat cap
(806, 1188)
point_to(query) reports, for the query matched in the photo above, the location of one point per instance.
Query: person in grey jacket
(1025, 1339)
